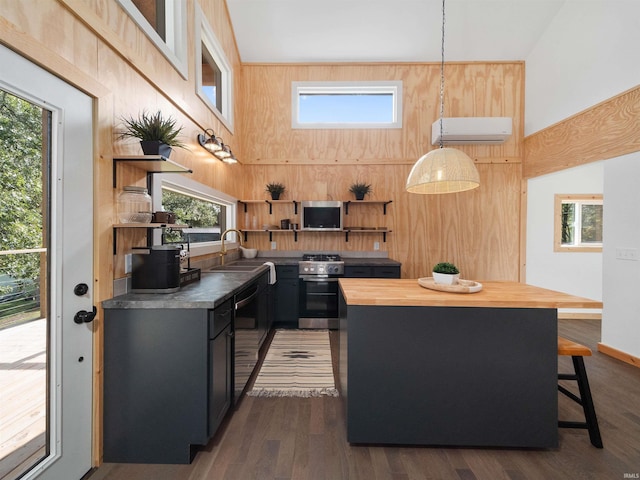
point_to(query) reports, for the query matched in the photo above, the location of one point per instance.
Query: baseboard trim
(619, 355)
(579, 316)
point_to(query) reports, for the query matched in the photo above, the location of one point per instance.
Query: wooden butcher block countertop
(407, 292)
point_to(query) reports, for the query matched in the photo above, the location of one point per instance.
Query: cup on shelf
(284, 224)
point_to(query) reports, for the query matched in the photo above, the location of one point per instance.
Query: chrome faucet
(223, 250)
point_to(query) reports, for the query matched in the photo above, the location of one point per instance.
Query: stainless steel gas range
(318, 299)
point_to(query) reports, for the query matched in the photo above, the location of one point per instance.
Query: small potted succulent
(156, 134)
(446, 273)
(275, 189)
(360, 189)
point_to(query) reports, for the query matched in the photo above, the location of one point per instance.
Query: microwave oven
(321, 215)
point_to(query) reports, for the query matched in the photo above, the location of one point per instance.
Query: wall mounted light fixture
(209, 141)
(226, 155)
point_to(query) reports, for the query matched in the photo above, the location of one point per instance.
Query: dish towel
(272, 272)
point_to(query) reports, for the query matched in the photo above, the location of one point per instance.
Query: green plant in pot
(360, 189)
(156, 133)
(446, 273)
(275, 189)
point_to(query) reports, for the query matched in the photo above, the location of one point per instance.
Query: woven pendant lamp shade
(443, 170)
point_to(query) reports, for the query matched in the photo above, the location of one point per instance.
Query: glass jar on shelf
(134, 205)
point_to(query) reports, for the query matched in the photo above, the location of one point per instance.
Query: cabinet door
(287, 303)
(390, 271)
(220, 389)
(353, 271)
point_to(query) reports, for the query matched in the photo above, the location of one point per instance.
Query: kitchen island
(423, 367)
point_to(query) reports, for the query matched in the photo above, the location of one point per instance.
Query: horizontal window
(578, 223)
(206, 211)
(320, 105)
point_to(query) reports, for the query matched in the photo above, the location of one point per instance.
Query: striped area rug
(298, 364)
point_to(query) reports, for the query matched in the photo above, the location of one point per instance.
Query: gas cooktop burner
(321, 257)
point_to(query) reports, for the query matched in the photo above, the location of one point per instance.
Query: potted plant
(360, 189)
(157, 134)
(275, 189)
(446, 273)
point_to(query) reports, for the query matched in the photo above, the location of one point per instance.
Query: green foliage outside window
(20, 188)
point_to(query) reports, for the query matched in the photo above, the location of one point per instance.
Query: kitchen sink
(236, 267)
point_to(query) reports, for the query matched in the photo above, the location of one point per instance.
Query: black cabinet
(167, 381)
(220, 364)
(286, 296)
(370, 271)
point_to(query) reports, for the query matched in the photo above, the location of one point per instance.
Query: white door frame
(71, 263)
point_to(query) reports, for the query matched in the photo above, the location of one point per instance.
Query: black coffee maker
(156, 269)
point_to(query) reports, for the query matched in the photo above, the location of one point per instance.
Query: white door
(66, 263)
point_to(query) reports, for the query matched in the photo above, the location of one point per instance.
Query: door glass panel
(24, 284)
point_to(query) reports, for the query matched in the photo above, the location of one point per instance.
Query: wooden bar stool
(577, 351)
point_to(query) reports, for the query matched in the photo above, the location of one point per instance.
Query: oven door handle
(319, 279)
(247, 300)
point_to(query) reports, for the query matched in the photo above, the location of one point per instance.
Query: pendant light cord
(442, 78)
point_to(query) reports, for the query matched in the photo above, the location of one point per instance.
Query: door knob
(85, 317)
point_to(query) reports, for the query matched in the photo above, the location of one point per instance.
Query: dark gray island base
(424, 367)
(450, 376)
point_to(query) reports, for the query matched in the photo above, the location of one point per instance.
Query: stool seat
(576, 351)
(570, 348)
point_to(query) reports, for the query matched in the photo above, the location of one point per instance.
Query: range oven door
(318, 297)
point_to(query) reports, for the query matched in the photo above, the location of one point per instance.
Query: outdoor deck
(22, 394)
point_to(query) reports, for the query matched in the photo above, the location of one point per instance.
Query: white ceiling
(285, 31)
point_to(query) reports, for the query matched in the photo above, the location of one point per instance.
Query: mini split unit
(471, 130)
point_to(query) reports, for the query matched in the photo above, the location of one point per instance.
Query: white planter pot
(445, 278)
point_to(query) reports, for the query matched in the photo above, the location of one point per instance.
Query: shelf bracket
(295, 211)
(384, 237)
(245, 233)
(384, 208)
(270, 236)
(295, 235)
(346, 207)
(270, 207)
(346, 236)
(244, 204)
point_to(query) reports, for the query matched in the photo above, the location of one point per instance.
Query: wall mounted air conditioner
(471, 130)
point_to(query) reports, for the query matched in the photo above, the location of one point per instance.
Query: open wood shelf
(150, 164)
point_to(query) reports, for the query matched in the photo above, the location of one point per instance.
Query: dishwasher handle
(245, 301)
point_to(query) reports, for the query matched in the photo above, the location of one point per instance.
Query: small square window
(346, 105)
(578, 223)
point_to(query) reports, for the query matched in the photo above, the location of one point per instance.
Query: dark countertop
(216, 287)
(211, 291)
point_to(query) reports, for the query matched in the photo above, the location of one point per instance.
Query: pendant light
(444, 170)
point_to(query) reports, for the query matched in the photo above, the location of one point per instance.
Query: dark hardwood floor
(300, 439)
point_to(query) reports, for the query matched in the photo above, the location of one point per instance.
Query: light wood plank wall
(478, 230)
(606, 130)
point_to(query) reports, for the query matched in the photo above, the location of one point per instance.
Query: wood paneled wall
(478, 230)
(606, 130)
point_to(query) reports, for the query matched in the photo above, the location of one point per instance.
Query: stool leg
(587, 402)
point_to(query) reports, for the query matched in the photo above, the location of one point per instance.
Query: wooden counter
(407, 292)
(424, 367)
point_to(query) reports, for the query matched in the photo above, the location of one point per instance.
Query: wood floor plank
(305, 439)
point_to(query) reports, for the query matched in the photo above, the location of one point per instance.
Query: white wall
(577, 273)
(621, 290)
(588, 54)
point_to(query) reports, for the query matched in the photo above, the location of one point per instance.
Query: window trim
(594, 199)
(206, 35)
(394, 87)
(187, 186)
(176, 29)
